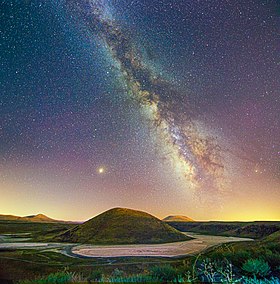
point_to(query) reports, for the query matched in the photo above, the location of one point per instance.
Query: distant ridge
(255, 229)
(177, 218)
(39, 218)
(122, 226)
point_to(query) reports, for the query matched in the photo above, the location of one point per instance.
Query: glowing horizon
(102, 108)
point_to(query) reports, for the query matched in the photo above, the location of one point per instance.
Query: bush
(256, 267)
(117, 273)
(132, 279)
(214, 271)
(164, 273)
(273, 280)
(95, 275)
(53, 278)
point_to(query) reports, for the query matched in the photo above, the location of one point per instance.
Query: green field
(22, 264)
(15, 227)
(29, 264)
(258, 229)
(122, 226)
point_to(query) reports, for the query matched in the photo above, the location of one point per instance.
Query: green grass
(267, 248)
(203, 271)
(254, 230)
(122, 226)
(34, 264)
(31, 264)
(38, 231)
(38, 264)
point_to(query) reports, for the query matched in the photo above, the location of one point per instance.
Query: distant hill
(39, 218)
(256, 230)
(122, 226)
(273, 238)
(177, 218)
(9, 218)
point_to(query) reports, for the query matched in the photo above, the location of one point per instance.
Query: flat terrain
(27, 249)
(196, 245)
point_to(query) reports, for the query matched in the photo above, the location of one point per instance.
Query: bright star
(101, 170)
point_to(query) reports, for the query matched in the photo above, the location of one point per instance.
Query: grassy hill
(266, 248)
(256, 230)
(9, 217)
(177, 218)
(273, 238)
(39, 218)
(122, 226)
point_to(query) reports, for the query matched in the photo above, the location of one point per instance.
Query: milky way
(194, 153)
(166, 106)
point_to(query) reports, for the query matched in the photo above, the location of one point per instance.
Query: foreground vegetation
(248, 263)
(245, 262)
(253, 271)
(267, 248)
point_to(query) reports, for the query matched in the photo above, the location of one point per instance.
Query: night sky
(169, 106)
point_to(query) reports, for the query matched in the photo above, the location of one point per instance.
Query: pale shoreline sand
(198, 244)
(194, 246)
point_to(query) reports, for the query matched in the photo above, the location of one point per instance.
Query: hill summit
(177, 218)
(39, 218)
(122, 226)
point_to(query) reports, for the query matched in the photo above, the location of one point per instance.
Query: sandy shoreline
(200, 243)
(191, 247)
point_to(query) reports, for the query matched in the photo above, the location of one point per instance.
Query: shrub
(256, 267)
(273, 280)
(95, 275)
(132, 279)
(207, 271)
(164, 273)
(54, 278)
(117, 273)
(214, 271)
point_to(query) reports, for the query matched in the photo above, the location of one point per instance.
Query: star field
(168, 106)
